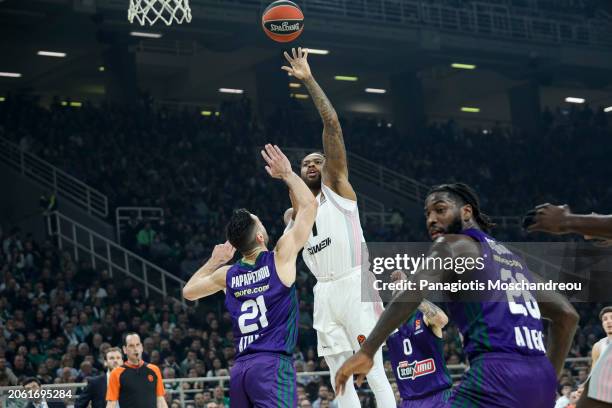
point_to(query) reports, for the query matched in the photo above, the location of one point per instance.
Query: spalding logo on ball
(283, 21)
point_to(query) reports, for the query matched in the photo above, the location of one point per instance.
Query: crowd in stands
(56, 320)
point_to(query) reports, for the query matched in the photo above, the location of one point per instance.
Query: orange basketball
(283, 21)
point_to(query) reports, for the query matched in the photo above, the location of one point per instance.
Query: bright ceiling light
(317, 52)
(10, 74)
(608, 109)
(145, 35)
(571, 99)
(376, 90)
(470, 109)
(346, 78)
(231, 91)
(458, 65)
(52, 54)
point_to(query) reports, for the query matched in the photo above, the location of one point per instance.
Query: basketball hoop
(168, 11)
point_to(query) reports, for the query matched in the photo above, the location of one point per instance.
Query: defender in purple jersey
(260, 295)
(503, 339)
(416, 351)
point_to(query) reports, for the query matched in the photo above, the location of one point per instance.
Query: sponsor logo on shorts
(150, 378)
(361, 338)
(411, 371)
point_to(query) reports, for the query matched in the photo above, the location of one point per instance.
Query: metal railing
(52, 178)
(388, 179)
(174, 386)
(482, 19)
(123, 214)
(102, 252)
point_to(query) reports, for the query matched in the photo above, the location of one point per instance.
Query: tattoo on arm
(333, 142)
(429, 309)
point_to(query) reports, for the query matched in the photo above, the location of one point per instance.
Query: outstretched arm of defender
(559, 219)
(335, 170)
(289, 245)
(210, 278)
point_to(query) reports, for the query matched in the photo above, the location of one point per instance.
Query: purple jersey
(264, 311)
(417, 359)
(511, 321)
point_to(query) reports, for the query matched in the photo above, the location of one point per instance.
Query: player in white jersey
(333, 252)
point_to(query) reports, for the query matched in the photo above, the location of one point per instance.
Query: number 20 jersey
(264, 311)
(507, 321)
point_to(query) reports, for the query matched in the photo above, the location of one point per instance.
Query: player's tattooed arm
(435, 317)
(335, 170)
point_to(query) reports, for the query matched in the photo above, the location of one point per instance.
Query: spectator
(323, 398)
(145, 238)
(219, 397)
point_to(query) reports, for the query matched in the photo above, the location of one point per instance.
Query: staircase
(54, 179)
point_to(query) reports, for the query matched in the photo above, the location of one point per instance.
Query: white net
(168, 11)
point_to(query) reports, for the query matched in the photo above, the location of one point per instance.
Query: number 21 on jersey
(253, 310)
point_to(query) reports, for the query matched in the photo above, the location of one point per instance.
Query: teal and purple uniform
(417, 359)
(265, 318)
(502, 338)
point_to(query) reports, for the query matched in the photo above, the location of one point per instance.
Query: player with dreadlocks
(502, 330)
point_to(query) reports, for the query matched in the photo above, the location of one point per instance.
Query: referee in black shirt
(135, 384)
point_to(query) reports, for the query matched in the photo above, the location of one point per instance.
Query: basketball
(283, 21)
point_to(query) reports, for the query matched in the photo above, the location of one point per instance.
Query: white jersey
(334, 248)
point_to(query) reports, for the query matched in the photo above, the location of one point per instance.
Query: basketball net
(168, 11)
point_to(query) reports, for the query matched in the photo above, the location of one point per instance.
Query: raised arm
(292, 241)
(335, 169)
(559, 219)
(210, 278)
